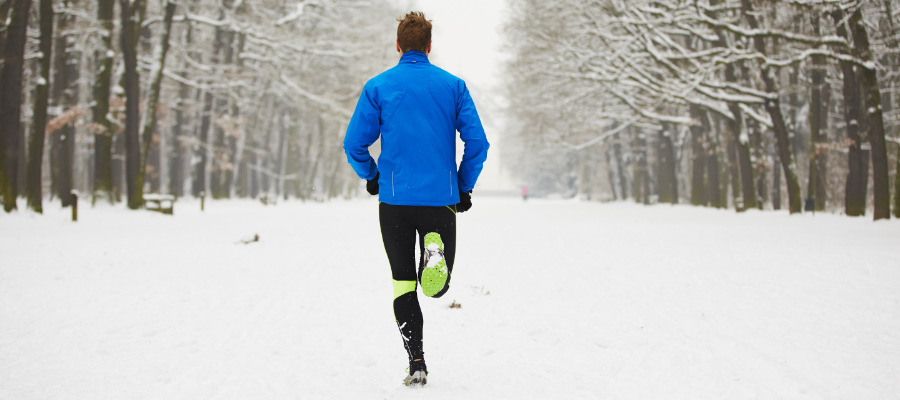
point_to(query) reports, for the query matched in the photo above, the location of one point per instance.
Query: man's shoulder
(438, 71)
(403, 78)
(380, 78)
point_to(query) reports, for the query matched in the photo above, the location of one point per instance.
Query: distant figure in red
(524, 193)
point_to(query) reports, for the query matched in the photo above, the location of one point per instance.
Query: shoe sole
(417, 379)
(435, 277)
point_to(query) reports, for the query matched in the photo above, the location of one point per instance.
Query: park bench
(163, 203)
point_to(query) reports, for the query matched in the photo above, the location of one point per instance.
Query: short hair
(414, 32)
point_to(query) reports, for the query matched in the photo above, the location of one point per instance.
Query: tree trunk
(745, 164)
(5, 7)
(118, 166)
(201, 180)
(798, 142)
(874, 119)
(176, 169)
(176, 162)
(784, 153)
(715, 196)
(178, 147)
(857, 185)
(154, 170)
(641, 169)
(740, 140)
(217, 177)
(760, 167)
(103, 128)
(734, 179)
(201, 149)
(11, 101)
(620, 167)
(897, 186)
(256, 178)
(133, 174)
(890, 102)
(666, 175)
(714, 188)
(39, 123)
(698, 173)
(283, 143)
(776, 187)
(610, 173)
(264, 162)
(149, 125)
(64, 94)
(314, 156)
(858, 171)
(236, 143)
(773, 107)
(819, 97)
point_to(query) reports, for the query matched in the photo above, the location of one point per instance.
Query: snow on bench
(164, 203)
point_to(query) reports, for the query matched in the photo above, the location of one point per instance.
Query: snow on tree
(726, 73)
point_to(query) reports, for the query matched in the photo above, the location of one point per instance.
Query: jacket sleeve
(475, 141)
(362, 132)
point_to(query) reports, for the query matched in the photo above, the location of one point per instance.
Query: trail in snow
(557, 299)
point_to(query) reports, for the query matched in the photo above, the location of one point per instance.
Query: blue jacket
(417, 108)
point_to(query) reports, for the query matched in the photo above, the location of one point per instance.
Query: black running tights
(399, 228)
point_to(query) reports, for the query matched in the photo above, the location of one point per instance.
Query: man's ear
(398, 47)
(429, 48)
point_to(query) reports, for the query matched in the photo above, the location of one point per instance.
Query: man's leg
(399, 236)
(440, 220)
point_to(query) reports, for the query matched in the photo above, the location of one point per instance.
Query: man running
(417, 108)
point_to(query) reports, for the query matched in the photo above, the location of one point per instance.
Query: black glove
(465, 201)
(372, 184)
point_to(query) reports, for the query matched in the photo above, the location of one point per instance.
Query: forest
(770, 104)
(114, 99)
(743, 104)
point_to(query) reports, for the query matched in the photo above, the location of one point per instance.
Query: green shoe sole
(434, 275)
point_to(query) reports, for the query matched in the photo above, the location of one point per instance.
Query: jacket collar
(413, 56)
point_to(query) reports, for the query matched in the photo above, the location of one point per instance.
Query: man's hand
(372, 184)
(465, 201)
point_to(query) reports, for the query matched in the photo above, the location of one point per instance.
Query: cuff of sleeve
(373, 173)
(463, 187)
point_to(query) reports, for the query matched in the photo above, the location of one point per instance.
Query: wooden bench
(163, 203)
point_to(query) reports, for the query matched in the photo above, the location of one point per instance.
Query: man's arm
(475, 141)
(362, 131)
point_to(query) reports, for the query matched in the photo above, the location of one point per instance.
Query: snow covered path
(559, 299)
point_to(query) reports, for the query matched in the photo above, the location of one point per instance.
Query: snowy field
(558, 299)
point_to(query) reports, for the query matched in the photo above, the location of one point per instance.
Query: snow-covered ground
(558, 299)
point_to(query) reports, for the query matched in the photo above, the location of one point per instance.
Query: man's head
(414, 33)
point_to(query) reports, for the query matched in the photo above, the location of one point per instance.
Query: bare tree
(64, 96)
(129, 43)
(874, 116)
(34, 183)
(11, 101)
(246, 73)
(724, 63)
(156, 75)
(104, 130)
(819, 98)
